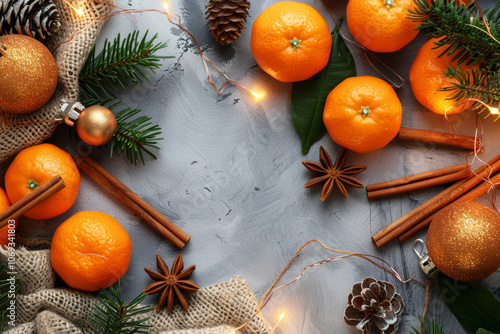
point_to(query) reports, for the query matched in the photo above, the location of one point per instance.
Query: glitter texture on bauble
(463, 241)
(28, 74)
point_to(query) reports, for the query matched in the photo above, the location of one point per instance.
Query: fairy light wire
(384, 265)
(174, 19)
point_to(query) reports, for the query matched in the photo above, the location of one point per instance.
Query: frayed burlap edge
(42, 308)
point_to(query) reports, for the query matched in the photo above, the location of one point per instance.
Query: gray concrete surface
(229, 173)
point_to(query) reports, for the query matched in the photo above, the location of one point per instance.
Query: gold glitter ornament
(463, 241)
(96, 125)
(28, 74)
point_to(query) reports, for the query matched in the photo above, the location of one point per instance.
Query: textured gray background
(229, 173)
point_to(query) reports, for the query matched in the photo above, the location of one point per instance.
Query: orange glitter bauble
(28, 74)
(464, 241)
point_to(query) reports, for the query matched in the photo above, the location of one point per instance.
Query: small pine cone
(35, 18)
(374, 307)
(226, 19)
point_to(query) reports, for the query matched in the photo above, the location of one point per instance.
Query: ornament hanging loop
(71, 111)
(425, 263)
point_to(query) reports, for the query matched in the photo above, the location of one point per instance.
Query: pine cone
(374, 307)
(227, 17)
(35, 18)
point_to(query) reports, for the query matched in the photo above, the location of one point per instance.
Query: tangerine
(90, 251)
(35, 166)
(4, 231)
(429, 73)
(291, 41)
(381, 25)
(363, 114)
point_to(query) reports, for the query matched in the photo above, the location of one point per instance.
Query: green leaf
(473, 305)
(484, 331)
(309, 96)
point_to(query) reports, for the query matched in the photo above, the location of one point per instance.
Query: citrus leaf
(309, 96)
(474, 306)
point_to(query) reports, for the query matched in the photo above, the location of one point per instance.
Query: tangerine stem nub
(32, 184)
(295, 43)
(365, 111)
(389, 3)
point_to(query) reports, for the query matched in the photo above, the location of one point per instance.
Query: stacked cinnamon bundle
(470, 186)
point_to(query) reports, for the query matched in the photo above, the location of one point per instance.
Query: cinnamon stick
(132, 195)
(417, 177)
(414, 217)
(466, 172)
(469, 196)
(437, 138)
(40, 194)
(104, 182)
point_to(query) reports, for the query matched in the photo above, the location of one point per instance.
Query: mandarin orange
(90, 251)
(35, 166)
(429, 73)
(4, 231)
(291, 41)
(381, 25)
(363, 114)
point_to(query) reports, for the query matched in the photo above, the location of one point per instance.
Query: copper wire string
(370, 258)
(177, 23)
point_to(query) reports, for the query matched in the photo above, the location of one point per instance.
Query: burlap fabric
(42, 308)
(70, 58)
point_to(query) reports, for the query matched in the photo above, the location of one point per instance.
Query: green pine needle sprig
(134, 135)
(461, 29)
(433, 329)
(477, 84)
(112, 315)
(120, 62)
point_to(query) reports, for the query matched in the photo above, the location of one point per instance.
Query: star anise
(171, 283)
(333, 174)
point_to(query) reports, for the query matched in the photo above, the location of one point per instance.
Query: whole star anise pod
(171, 283)
(333, 174)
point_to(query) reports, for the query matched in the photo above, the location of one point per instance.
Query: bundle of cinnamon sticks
(140, 207)
(420, 217)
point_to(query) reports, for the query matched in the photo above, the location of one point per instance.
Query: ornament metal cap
(71, 111)
(425, 263)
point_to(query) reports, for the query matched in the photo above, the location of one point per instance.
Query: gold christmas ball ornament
(96, 125)
(28, 74)
(463, 241)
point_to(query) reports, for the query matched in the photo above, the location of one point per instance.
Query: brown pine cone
(374, 307)
(226, 19)
(35, 18)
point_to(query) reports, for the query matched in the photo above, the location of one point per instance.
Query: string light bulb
(77, 10)
(492, 110)
(165, 5)
(282, 315)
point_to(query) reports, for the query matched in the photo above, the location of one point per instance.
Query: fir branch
(477, 84)
(134, 135)
(119, 63)
(434, 329)
(463, 31)
(112, 315)
(6, 293)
